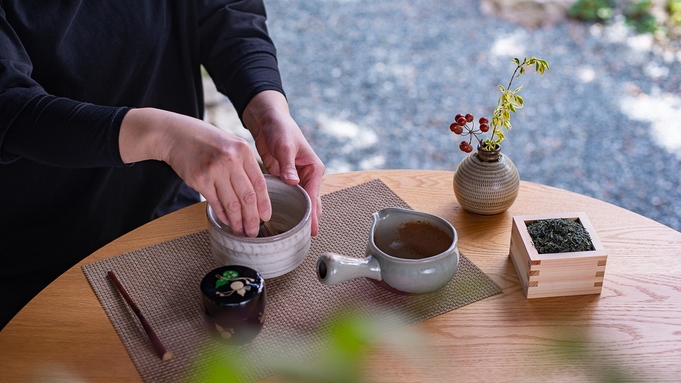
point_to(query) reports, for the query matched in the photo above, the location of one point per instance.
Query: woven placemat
(163, 280)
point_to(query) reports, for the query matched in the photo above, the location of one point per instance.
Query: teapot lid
(232, 285)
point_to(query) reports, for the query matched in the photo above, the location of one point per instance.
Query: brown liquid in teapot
(415, 240)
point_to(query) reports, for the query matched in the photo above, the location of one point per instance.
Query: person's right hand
(283, 148)
(219, 165)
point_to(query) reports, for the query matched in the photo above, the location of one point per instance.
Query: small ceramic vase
(486, 182)
(234, 300)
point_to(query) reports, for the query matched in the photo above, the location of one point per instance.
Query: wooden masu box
(557, 274)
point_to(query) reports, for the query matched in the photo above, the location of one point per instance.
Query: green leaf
(220, 282)
(226, 276)
(230, 274)
(519, 100)
(518, 89)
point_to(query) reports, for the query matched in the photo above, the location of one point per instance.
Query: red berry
(484, 127)
(483, 120)
(461, 121)
(456, 128)
(469, 117)
(465, 147)
(456, 118)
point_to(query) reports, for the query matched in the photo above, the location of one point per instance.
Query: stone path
(374, 85)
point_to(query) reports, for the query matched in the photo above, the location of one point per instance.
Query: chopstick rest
(155, 341)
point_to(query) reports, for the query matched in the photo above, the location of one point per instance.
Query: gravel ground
(375, 85)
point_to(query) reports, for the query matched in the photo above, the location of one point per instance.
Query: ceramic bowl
(275, 255)
(234, 299)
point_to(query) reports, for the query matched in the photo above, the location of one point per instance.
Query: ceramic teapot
(411, 251)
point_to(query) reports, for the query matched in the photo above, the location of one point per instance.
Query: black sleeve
(236, 49)
(48, 129)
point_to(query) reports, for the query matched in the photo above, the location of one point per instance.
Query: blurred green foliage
(348, 337)
(637, 13)
(592, 10)
(674, 9)
(341, 361)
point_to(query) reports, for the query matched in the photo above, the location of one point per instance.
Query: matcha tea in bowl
(271, 255)
(408, 251)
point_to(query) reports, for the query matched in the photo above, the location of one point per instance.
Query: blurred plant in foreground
(339, 355)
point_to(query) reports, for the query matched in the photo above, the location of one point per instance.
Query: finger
(286, 156)
(271, 165)
(215, 204)
(248, 203)
(316, 215)
(312, 185)
(288, 173)
(230, 204)
(264, 204)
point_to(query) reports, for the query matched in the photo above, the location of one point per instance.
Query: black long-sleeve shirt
(69, 71)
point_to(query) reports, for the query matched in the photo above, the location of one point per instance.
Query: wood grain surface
(632, 329)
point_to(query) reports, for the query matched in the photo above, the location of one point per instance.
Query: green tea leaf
(559, 235)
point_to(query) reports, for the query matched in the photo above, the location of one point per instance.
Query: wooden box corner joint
(556, 274)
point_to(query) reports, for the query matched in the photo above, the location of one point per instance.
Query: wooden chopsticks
(155, 341)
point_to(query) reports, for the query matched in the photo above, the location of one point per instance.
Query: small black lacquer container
(234, 299)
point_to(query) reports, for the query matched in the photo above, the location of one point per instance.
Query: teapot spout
(333, 268)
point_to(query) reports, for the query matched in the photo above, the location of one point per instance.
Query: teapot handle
(335, 268)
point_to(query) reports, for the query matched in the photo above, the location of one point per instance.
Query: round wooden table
(632, 328)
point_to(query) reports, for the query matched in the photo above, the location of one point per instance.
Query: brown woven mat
(164, 281)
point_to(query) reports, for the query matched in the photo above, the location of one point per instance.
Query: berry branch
(509, 101)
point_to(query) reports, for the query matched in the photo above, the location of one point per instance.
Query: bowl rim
(216, 223)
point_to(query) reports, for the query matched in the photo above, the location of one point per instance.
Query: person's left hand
(284, 150)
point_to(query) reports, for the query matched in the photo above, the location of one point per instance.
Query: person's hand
(284, 150)
(219, 165)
